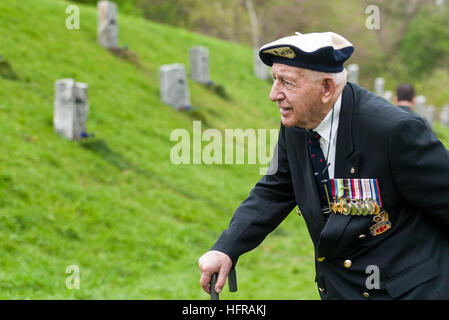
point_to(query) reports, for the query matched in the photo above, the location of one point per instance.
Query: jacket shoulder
(372, 109)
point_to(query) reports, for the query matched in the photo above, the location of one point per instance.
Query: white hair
(339, 77)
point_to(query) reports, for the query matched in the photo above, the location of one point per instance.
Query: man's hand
(211, 262)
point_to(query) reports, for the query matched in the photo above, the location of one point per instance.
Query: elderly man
(371, 181)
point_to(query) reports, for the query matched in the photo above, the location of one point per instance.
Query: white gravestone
(199, 64)
(388, 95)
(353, 73)
(430, 114)
(107, 24)
(260, 68)
(173, 85)
(420, 105)
(444, 115)
(70, 109)
(379, 85)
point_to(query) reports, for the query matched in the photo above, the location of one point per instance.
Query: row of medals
(355, 207)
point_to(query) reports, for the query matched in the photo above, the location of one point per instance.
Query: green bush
(425, 46)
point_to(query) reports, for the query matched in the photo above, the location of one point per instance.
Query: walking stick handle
(232, 280)
(213, 293)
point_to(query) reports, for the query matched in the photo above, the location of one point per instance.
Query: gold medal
(364, 209)
(353, 208)
(335, 207)
(340, 206)
(382, 224)
(376, 208)
(359, 207)
(346, 209)
(377, 218)
(370, 206)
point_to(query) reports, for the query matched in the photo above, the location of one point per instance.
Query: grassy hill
(114, 205)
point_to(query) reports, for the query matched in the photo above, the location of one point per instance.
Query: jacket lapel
(346, 166)
(346, 159)
(308, 193)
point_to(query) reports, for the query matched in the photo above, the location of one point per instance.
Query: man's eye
(288, 84)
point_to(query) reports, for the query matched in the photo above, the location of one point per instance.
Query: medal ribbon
(359, 182)
(345, 190)
(375, 190)
(356, 189)
(358, 194)
(353, 194)
(378, 192)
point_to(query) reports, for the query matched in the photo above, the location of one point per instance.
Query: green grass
(115, 206)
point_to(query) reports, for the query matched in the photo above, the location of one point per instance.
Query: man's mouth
(285, 111)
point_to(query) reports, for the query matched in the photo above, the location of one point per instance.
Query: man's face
(297, 96)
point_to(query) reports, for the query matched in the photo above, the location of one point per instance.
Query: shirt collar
(323, 129)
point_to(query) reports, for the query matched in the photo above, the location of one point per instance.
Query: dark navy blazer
(375, 140)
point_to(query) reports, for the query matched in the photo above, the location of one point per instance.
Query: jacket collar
(346, 159)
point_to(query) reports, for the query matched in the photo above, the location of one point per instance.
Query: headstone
(173, 85)
(388, 95)
(444, 115)
(353, 73)
(379, 85)
(199, 64)
(430, 114)
(420, 103)
(260, 68)
(107, 24)
(70, 109)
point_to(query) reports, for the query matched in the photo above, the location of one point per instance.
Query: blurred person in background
(405, 97)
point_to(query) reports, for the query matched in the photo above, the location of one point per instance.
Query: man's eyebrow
(287, 76)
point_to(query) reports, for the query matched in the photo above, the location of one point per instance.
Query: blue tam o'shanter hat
(320, 51)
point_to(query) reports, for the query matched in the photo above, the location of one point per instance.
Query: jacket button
(362, 236)
(347, 263)
(366, 295)
(322, 290)
(321, 259)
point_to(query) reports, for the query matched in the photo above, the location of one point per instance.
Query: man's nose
(276, 91)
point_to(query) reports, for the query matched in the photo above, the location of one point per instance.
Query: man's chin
(288, 123)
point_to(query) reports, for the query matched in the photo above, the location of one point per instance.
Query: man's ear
(329, 87)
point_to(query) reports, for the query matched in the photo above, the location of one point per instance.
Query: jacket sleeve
(267, 205)
(420, 166)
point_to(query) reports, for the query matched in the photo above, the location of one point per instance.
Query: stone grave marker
(173, 85)
(353, 73)
(420, 105)
(430, 114)
(444, 115)
(379, 86)
(260, 68)
(388, 95)
(107, 24)
(199, 64)
(70, 109)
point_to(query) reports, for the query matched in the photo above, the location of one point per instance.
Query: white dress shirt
(324, 130)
